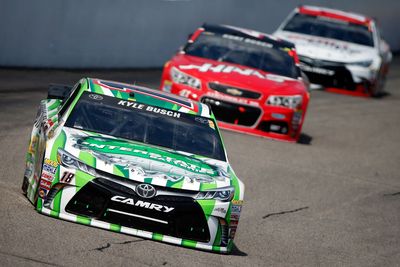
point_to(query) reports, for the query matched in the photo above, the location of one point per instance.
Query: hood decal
(224, 68)
(147, 163)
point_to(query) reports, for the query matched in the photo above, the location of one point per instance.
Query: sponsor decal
(211, 124)
(49, 168)
(232, 99)
(96, 97)
(167, 86)
(28, 169)
(142, 204)
(157, 110)
(47, 176)
(124, 148)
(237, 202)
(202, 120)
(45, 184)
(42, 193)
(236, 208)
(322, 42)
(185, 93)
(221, 210)
(51, 162)
(235, 217)
(33, 144)
(249, 40)
(67, 177)
(222, 68)
(232, 232)
(317, 70)
(234, 223)
(278, 116)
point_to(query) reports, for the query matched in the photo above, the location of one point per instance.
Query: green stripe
(207, 186)
(39, 204)
(60, 142)
(235, 184)
(189, 243)
(87, 158)
(216, 248)
(115, 227)
(207, 206)
(120, 171)
(82, 219)
(148, 180)
(157, 237)
(81, 179)
(97, 89)
(55, 105)
(217, 240)
(178, 184)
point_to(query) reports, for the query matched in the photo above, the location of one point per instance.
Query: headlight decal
(292, 102)
(69, 161)
(222, 194)
(182, 78)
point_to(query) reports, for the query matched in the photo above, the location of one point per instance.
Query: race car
(133, 160)
(339, 51)
(251, 80)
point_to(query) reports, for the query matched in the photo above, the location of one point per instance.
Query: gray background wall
(142, 33)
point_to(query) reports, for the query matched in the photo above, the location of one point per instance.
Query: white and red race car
(338, 50)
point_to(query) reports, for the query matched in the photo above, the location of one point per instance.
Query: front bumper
(339, 77)
(192, 223)
(246, 115)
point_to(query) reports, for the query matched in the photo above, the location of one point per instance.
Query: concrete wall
(141, 33)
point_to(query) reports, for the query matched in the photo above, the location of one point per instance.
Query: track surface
(335, 201)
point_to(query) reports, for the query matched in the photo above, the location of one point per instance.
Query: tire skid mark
(28, 258)
(284, 212)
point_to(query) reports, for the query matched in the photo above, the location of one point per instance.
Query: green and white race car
(136, 161)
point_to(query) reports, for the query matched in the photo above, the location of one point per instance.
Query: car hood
(328, 49)
(236, 75)
(144, 163)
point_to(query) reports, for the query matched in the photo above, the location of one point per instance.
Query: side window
(70, 98)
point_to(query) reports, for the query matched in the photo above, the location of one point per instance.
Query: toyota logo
(146, 190)
(96, 97)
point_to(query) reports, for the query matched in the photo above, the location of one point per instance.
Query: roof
(335, 14)
(147, 96)
(250, 34)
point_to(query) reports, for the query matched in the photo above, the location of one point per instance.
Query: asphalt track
(332, 201)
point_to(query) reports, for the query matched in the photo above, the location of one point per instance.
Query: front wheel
(25, 184)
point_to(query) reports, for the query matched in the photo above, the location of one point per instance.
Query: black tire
(25, 184)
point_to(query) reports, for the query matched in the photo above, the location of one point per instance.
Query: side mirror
(305, 80)
(58, 91)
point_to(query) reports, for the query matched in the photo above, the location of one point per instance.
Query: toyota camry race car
(251, 80)
(339, 51)
(136, 161)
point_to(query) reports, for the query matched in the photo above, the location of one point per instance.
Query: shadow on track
(304, 139)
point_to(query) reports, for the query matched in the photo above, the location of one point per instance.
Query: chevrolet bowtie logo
(234, 91)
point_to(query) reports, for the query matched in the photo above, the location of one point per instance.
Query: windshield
(147, 124)
(243, 51)
(330, 28)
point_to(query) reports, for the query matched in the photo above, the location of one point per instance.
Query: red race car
(252, 81)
